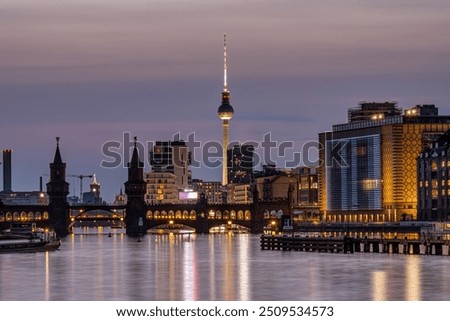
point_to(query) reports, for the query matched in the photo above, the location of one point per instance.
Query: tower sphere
(225, 111)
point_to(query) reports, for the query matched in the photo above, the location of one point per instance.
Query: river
(90, 265)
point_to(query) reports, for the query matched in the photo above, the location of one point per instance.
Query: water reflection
(213, 267)
(244, 276)
(190, 279)
(47, 276)
(379, 285)
(413, 285)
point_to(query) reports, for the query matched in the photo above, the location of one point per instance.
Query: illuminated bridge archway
(97, 215)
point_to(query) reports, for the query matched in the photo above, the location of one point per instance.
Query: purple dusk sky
(88, 71)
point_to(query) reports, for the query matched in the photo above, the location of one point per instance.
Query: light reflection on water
(213, 267)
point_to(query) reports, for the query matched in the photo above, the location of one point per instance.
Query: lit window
(434, 193)
(434, 166)
(434, 183)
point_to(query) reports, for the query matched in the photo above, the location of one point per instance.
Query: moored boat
(28, 238)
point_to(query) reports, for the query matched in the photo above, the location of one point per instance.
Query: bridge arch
(171, 228)
(96, 214)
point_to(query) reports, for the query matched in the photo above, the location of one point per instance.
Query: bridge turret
(135, 189)
(57, 190)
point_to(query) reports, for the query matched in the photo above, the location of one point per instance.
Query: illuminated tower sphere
(225, 113)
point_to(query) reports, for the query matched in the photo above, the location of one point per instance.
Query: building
(7, 165)
(367, 169)
(172, 157)
(225, 113)
(433, 171)
(275, 186)
(239, 194)
(93, 196)
(10, 197)
(162, 188)
(212, 190)
(120, 199)
(308, 208)
(24, 198)
(373, 111)
(240, 164)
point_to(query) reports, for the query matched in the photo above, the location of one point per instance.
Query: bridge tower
(135, 189)
(57, 190)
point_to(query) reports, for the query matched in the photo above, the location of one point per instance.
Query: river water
(90, 265)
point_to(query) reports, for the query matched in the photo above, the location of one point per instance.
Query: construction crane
(81, 177)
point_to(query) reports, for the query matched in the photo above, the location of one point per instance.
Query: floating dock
(354, 245)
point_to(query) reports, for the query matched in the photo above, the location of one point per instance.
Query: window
(434, 193)
(434, 166)
(434, 183)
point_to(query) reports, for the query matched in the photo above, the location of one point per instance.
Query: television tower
(225, 113)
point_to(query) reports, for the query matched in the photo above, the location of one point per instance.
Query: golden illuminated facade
(368, 168)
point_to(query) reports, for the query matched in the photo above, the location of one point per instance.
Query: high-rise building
(172, 157)
(368, 166)
(7, 180)
(225, 113)
(433, 171)
(240, 164)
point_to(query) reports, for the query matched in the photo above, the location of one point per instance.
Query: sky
(90, 71)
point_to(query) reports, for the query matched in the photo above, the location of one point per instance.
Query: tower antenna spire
(225, 85)
(225, 113)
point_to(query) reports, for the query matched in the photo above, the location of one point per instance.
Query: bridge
(199, 217)
(136, 215)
